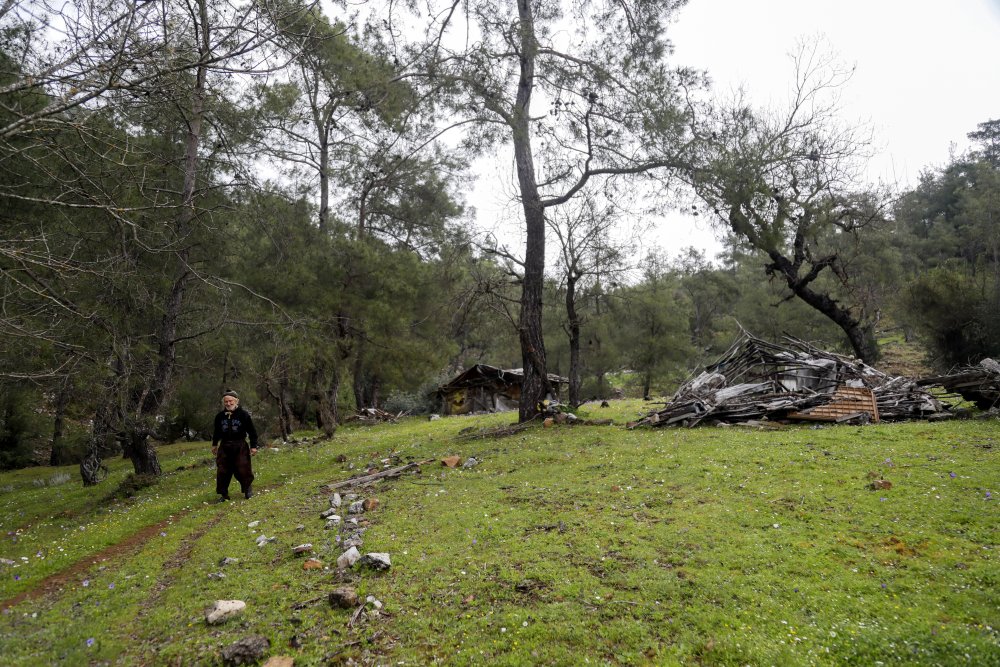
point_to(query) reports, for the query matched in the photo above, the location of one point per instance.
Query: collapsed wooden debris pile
(978, 384)
(375, 416)
(756, 380)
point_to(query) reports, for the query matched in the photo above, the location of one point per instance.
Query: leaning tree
(791, 185)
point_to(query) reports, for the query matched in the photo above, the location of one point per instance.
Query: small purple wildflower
(952, 475)
(90, 642)
(988, 495)
(86, 582)
(17, 577)
(883, 499)
(884, 586)
(163, 534)
(474, 540)
(111, 586)
(888, 462)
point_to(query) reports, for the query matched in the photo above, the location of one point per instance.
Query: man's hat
(232, 393)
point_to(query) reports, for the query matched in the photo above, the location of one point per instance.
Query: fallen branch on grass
(364, 479)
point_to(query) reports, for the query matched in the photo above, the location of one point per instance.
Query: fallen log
(364, 479)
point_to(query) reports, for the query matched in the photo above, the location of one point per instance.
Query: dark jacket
(234, 426)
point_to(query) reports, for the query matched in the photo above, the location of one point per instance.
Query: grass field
(564, 546)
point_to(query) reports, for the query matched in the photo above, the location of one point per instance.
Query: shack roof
(482, 375)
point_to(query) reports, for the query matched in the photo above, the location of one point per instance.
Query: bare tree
(589, 252)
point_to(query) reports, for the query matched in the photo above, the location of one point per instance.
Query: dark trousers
(233, 458)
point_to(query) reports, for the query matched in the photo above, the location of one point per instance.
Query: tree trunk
(535, 384)
(58, 421)
(358, 379)
(141, 452)
(327, 415)
(574, 342)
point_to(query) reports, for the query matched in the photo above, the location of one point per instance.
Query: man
(229, 446)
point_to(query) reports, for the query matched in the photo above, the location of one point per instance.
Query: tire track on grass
(54, 583)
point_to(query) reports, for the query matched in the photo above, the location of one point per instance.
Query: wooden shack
(485, 388)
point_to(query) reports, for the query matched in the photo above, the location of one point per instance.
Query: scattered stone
(880, 485)
(216, 575)
(263, 539)
(370, 504)
(302, 548)
(352, 521)
(470, 462)
(451, 461)
(253, 524)
(333, 521)
(548, 422)
(312, 564)
(280, 661)
(351, 496)
(376, 561)
(348, 558)
(355, 542)
(300, 527)
(344, 597)
(434, 418)
(327, 513)
(371, 599)
(357, 507)
(247, 651)
(336, 500)
(223, 610)
(228, 561)
(342, 458)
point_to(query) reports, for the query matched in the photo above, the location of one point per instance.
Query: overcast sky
(927, 72)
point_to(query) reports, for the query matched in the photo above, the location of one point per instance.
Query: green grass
(565, 546)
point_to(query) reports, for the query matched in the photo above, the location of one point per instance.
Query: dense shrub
(21, 428)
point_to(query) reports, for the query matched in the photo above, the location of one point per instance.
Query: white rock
(333, 521)
(336, 500)
(373, 601)
(377, 561)
(352, 521)
(327, 513)
(223, 610)
(434, 418)
(253, 524)
(348, 558)
(357, 507)
(302, 548)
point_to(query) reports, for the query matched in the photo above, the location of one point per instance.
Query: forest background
(267, 197)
